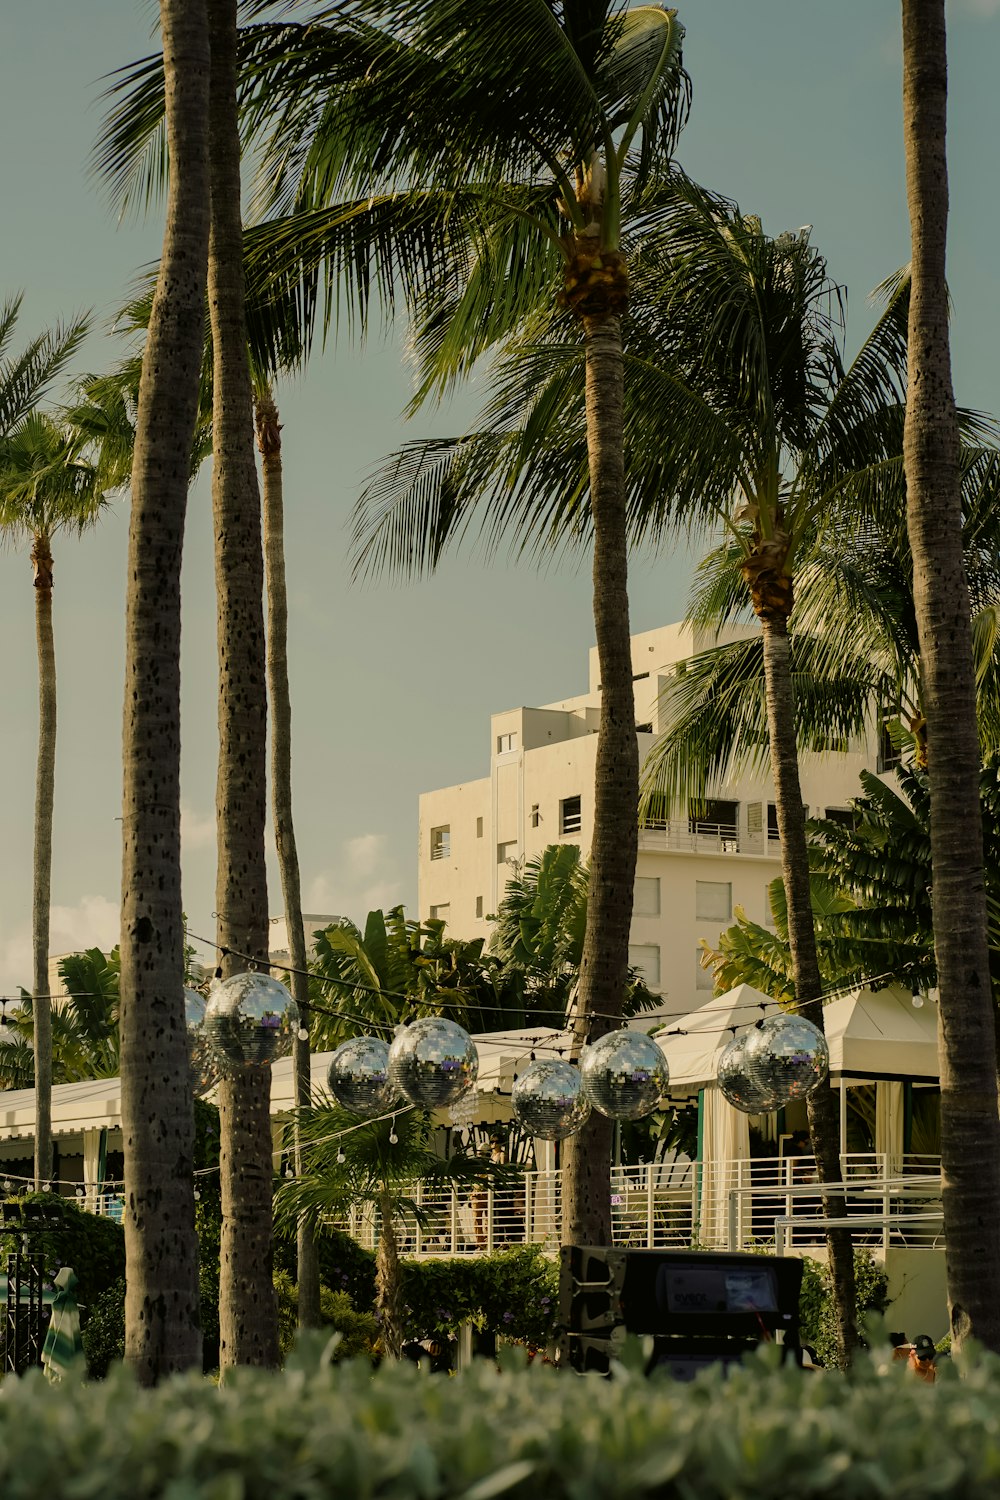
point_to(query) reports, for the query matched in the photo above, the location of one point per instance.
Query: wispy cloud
(92, 923)
(364, 878)
(197, 831)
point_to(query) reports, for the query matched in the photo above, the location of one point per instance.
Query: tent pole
(843, 1120)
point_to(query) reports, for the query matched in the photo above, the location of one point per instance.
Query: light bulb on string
(341, 1158)
(916, 1000)
(303, 1034)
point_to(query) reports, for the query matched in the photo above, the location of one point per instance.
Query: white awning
(871, 1034)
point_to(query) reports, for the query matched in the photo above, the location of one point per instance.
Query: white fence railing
(682, 1203)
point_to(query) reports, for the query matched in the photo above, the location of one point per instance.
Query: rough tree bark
(161, 1300)
(45, 787)
(586, 1205)
(269, 442)
(248, 1326)
(970, 1128)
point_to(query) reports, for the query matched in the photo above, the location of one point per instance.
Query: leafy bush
(104, 1331)
(763, 1431)
(818, 1326)
(93, 1246)
(358, 1331)
(512, 1293)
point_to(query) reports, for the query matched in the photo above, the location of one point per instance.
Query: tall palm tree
(410, 141)
(374, 1166)
(161, 1305)
(248, 1319)
(45, 487)
(738, 398)
(279, 697)
(970, 1124)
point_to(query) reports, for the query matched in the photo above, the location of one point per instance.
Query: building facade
(692, 870)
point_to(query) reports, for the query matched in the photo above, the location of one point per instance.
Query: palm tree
(374, 1166)
(24, 379)
(248, 1319)
(490, 190)
(45, 488)
(269, 442)
(84, 1029)
(737, 387)
(161, 1306)
(970, 1124)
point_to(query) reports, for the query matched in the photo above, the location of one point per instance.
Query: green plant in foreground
(760, 1432)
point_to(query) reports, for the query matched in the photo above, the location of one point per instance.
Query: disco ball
(736, 1085)
(201, 1058)
(787, 1055)
(548, 1100)
(359, 1077)
(624, 1074)
(250, 1020)
(433, 1062)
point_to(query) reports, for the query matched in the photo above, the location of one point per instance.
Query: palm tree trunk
(269, 442)
(823, 1123)
(388, 1288)
(161, 1246)
(970, 1128)
(247, 1319)
(45, 785)
(248, 1312)
(586, 1204)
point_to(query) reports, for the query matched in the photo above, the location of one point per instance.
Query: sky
(796, 115)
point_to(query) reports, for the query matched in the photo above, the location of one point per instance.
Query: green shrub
(763, 1431)
(817, 1320)
(512, 1293)
(104, 1331)
(92, 1245)
(358, 1331)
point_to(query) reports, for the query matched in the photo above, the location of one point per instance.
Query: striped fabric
(62, 1342)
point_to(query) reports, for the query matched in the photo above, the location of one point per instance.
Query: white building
(692, 871)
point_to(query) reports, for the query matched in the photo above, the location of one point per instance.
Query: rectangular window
(441, 842)
(704, 979)
(714, 818)
(888, 753)
(441, 913)
(570, 815)
(646, 958)
(841, 815)
(479, 828)
(646, 901)
(479, 906)
(772, 821)
(506, 743)
(506, 852)
(713, 900)
(536, 816)
(644, 728)
(755, 817)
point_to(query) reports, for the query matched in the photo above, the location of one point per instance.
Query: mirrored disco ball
(433, 1061)
(548, 1100)
(359, 1077)
(204, 1068)
(250, 1020)
(787, 1055)
(624, 1074)
(735, 1083)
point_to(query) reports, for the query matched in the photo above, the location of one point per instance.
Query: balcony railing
(680, 1204)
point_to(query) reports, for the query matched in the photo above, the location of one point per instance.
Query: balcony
(701, 838)
(676, 1205)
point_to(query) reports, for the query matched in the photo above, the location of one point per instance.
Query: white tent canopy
(871, 1034)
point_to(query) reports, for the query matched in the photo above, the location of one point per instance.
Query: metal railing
(729, 1204)
(719, 838)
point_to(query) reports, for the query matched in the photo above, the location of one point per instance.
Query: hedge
(318, 1431)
